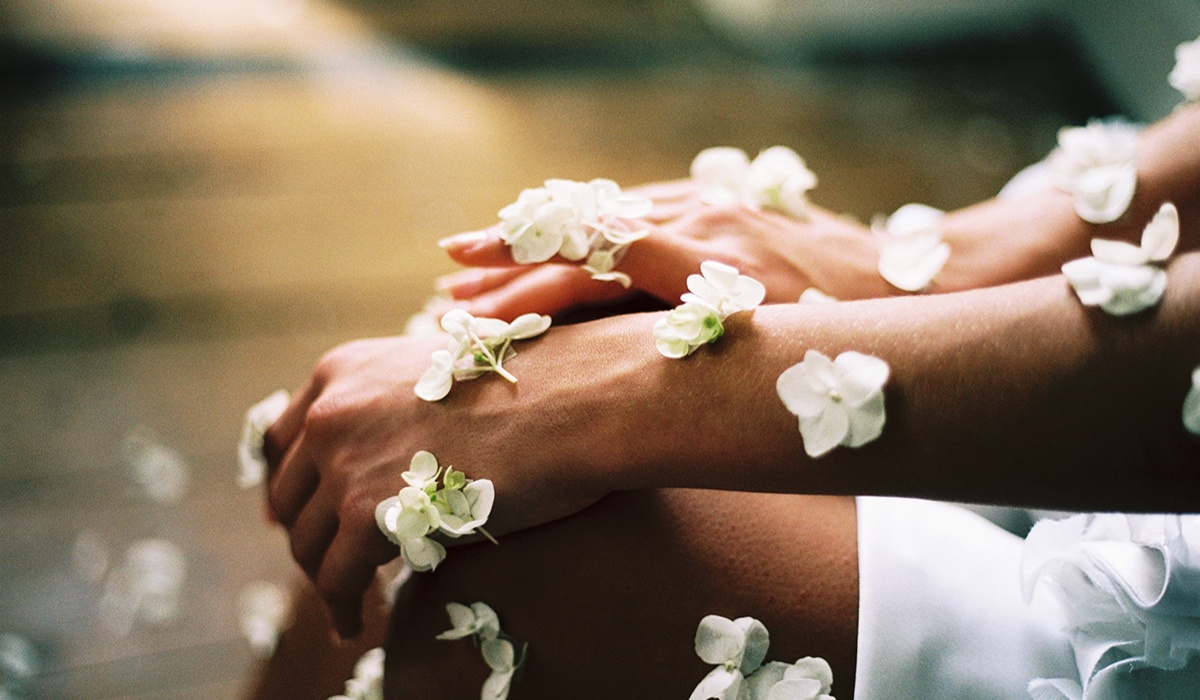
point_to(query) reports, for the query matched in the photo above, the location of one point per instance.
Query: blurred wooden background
(197, 200)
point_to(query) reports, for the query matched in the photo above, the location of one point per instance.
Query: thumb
(477, 248)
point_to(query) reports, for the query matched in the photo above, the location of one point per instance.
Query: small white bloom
(685, 328)
(145, 588)
(422, 471)
(1185, 77)
(839, 402)
(721, 174)
(435, 383)
(407, 516)
(715, 294)
(809, 678)
(724, 289)
(736, 647)
(500, 656)
(1191, 405)
(912, 251)
(263, 611)
(422, 553)
(259, 419)
(1119, 277)
(812, 295)
(776, 179)
(527, 326)
(534, 226)
(475, 346)
(463, 510)
(478, 619)
(367, 682)
(1097, 163)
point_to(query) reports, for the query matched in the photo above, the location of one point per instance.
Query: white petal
(576, 243)
(496, 686)
(385, 517)
(859, 376)
(498, 654)
(435, 383)
(795, 689)
(461, 621)
(812, 295)
(910, 266)
(486, 621)
(812, 667)
(259, 418)
(797, 393)
(757, 685)
(422, 554)
(746, 295)
(528, 326)
(1162, 233)
(1118, 252)
(913, 219)
(720, 167)
(719, 683)
(1191, 406)
(421, 470)
(1084, 276)
(1139, 292)
(674, 349)
(1103, 194)
(719, 640)
(757, 640)
(408, 524)
(721, 276)
(825, 431)
(540, 241)
(866, 421)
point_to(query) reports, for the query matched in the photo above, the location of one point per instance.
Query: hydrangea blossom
(259, 418)
(593, 221)
(912, 252)
(476, 346)
(1119, 277)
(1097, 164)
(839, 402)
(367, 683)
(1191, 405)
(738, 648)
(1185, 77)
(776, 179)
(714, 294)
(498, 649)
(460, 507)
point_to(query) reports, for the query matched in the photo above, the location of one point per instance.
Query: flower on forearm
(575, 220)
(776, 179)
(260, 417)
(479, 619)
(738, 648)
(715, 294)
(1185, 77)
(1191, 405)
(460, 507)
(839, 402)
(1119, 277)
(912, 252)
(498, 649)
(1097, 164)
(476, 346)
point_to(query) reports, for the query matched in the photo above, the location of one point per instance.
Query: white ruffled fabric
(1128, 587)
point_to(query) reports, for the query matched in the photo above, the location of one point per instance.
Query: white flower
(809, 678)
(776, 179)
(839, 402)
(912, 251)
(259, 418)
(736, 647)
(479, 619)
(422, 553)
(1119, 277)
(1185, 77)
(812, 295)
(535, 226)
(263, 609)
(145, 588)
(715, 294)
(422, 471)
(1191, 405)
(407, 516)
(1097, 163)
(600, 265)
(367, 683)
(476, 346)
(500, 656)
(465, 509)
(158, 469)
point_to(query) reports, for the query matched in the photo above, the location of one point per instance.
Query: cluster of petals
(367, 682)
(911, 251)
(1185, 77)
(259, 418)
(498, 650)
(476, 346)
(592, 221)
(713, 295)
(1125, 587)
(1119, 277)
(1097, 164)
(838, 402)
(460, 507)
(737, 649)
(776, 179)
(1191, 405)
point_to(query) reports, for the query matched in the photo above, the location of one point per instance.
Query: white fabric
(941, 612)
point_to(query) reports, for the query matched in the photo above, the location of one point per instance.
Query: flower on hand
(499, 650)
(259, 418)
(1185, 77)
(1119, 277)
(776, 179)
(839, 402)
(460, 507)
(738, 648)
(575, 220)
(1097, 164)
(912, 251)
(476, 346)
(714, 294)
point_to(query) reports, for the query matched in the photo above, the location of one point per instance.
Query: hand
(347, 436)
(827, 251)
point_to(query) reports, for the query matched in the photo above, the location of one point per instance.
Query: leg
(609, 599)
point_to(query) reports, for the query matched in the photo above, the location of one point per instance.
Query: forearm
(1015, 394)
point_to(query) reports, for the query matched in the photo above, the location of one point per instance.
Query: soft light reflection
(145, 589)
(264, 610)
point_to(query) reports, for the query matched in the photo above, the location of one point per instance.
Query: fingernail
(462, 240)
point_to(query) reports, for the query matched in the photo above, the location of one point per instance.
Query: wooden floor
(177, 242)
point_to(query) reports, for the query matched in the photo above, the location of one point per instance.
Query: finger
(547, 289)
(311, 533)
(280, 436)
(667, 191)
(478, 248)
(347, 570)
(472, 282)
(660, 264)
(294, 482)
